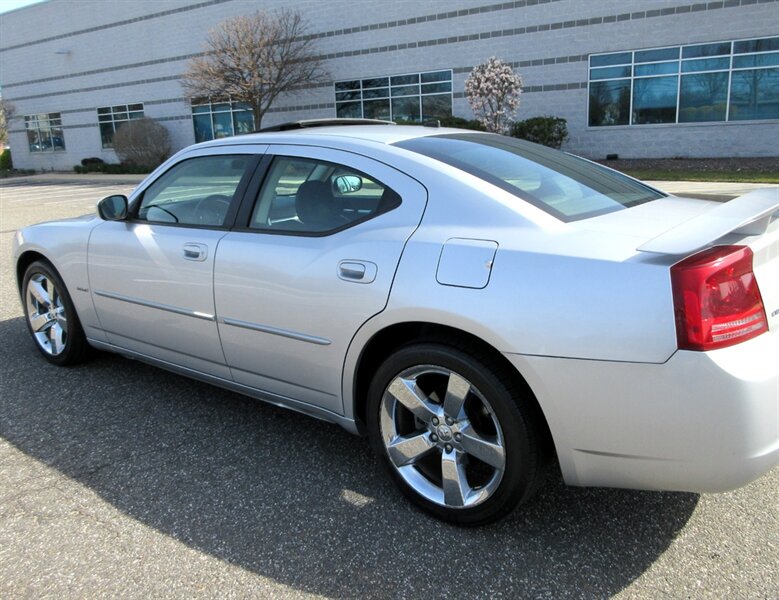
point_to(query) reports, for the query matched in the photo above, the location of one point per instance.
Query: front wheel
(455, 433)
(51, 317)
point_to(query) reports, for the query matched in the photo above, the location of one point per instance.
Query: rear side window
(306, 196)
(565, 186)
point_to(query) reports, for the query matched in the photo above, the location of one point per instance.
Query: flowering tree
(493, 90)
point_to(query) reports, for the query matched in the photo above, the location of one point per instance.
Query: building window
(654, 99)
(213, 120)
(44, 132)
(408, 97)
(111, 118)
(720, 81)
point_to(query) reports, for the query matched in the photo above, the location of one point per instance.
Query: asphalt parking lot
(118, 480)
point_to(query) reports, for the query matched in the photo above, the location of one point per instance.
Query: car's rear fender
(541, 295)
(701, 422)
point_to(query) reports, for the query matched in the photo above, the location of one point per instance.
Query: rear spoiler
(749, 214)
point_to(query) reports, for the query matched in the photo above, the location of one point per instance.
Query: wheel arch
(72, 270)
(25, 259)
(388, 339)
(73, 347)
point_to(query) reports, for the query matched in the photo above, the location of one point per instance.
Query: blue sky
(6, 5)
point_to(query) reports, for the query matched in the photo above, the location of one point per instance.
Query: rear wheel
(51, 317)
(452, 430)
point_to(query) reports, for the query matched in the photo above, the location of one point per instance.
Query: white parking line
(49, 189)
(53, 196)
(70, 201)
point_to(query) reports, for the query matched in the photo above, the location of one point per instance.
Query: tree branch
(253, 59)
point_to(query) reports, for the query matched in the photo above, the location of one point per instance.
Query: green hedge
(6, 164)
(549, 131)
(461, 123)
(109, 168)
(457, 122)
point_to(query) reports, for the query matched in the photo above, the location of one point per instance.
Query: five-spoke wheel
(442, 436)
(46, 314)
(51, 317)
(454, 433)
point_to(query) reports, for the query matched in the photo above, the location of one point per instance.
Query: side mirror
(346, 184)
(113, 208)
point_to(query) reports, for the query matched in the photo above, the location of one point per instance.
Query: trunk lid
(679, 227)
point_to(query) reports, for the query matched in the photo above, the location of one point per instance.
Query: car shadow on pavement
(301, 501)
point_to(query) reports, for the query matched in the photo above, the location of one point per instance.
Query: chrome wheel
(46, 314)
(442, 436)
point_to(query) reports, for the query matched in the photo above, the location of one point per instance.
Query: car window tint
(309, 196)
(565, 186)
(197, 191)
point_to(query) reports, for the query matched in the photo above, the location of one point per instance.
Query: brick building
(640, 78)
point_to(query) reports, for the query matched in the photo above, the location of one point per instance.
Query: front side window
(408, 97)
(197, 191)
(565, 186)
(310, 196)
(111, 118)
(44, 132)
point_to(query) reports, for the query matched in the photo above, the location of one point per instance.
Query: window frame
(681, 60)
(115, 123)
(236, 204)
(734, 72)
(262, 177)
(32, 123)
(390, 87)
(202, 107)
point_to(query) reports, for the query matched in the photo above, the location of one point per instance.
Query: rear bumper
(701, 422)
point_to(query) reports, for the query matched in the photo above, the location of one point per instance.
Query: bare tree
(142, 142)
(254, 58)
(7, 111)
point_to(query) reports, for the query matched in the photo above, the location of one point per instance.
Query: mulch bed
(759, 165)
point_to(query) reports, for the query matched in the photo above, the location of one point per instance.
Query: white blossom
(493, 90)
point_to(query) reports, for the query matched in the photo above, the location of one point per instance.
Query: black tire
(71, 346)
(525, 451)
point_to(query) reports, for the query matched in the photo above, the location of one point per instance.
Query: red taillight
(716, 299)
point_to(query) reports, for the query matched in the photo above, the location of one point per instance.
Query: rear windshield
(565, 186)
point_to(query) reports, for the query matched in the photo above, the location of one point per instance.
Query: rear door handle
(357, 271)
(193, 251)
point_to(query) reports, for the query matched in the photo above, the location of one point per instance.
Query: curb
(70, 179)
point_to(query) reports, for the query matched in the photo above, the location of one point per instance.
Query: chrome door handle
(192, 251)
(357, 271)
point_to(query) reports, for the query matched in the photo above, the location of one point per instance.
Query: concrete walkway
(710, 190)
(692, 189)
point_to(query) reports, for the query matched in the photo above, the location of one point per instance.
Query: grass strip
(682, 175)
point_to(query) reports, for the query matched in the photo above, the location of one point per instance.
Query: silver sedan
(479, 306)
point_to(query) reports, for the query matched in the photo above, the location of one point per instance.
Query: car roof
(382, 134)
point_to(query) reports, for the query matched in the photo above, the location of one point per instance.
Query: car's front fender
(64, 244)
